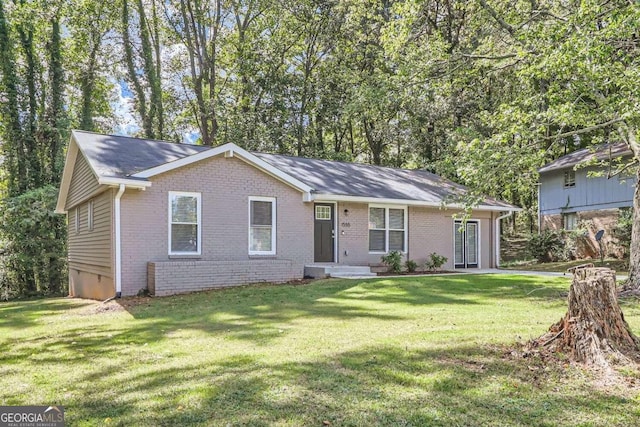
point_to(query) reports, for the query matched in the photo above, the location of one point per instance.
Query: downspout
(497, 228)
(118, 251)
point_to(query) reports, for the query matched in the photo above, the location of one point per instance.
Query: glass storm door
(466, 244)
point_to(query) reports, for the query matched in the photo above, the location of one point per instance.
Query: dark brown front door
(324, 214)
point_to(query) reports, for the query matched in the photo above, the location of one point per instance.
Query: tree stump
(593, 331)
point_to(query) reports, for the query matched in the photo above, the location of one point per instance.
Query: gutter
(497, 228)
(118, 251)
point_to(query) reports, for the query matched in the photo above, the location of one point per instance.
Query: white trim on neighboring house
(274, 224)
(387, 228)
(198, 224)
(408, 202)
(229, 150)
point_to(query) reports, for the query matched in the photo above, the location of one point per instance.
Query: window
(569, 178)
(387, 229)
(77, 220)
(90, 215)
(323, 212)
(184, 223)
(570, 221)
(262, 226)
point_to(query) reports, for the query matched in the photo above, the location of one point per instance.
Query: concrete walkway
(478, 271)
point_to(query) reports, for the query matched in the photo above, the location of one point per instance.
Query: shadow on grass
(22, 314)
(375, 386)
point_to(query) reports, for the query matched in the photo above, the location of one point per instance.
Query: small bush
(546, 246)
(393, 260)
(411, 265)
(435, 261)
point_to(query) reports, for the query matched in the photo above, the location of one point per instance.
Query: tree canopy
(483, 92)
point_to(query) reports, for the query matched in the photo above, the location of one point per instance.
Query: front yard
(411, 351)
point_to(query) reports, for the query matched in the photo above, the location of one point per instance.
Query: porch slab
(321, 271)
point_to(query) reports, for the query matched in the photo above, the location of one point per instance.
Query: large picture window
(387, 229)
(184, 223)
(262, 226)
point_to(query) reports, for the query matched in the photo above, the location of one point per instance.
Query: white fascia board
(229, 150)
(408, 202)
(65, 182)
(129, 183)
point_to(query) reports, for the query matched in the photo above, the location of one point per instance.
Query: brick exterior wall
(225, 184)
(594, 220)
(430, 230)
(173, 277)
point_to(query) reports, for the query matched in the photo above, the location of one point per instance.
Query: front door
(324, 225)
(466, 244)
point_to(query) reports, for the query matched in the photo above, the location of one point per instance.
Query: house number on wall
(346, 224)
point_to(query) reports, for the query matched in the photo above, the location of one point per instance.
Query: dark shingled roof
(121, 157)
(362, 180)
(602, 152)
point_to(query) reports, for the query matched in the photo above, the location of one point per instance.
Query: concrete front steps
(320, 271)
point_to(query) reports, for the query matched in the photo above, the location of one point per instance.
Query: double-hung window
(387, 229)
(262, 226)
(569, 178)
(185, 223)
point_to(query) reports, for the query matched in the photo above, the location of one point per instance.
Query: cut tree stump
(593, 331)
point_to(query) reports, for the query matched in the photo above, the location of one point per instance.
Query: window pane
(376, 241)
(184, 209)
(323, 212)
(396, 240)
(261, 239)
(376, 218)
(396, 219)
(261, 213)
(184, 238)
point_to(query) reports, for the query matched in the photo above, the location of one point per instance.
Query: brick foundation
(174, 277)
(587, 247)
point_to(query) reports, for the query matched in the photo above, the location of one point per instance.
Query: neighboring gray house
(179, 218)
(569, 197)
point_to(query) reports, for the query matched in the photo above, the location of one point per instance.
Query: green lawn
(414, 351)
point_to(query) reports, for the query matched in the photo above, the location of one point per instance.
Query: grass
(621, 266)
(421, 351)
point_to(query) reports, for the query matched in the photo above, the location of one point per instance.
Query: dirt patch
(100, 308)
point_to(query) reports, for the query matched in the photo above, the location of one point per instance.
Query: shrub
(393, 260)
(546, 246)
(435, 261)
(33, 240)
(622, 230)
(411, 265)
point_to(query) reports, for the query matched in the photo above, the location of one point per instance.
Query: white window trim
(274, 223)
(198, 197)
(387, 227)
(90, 215)
(77, 219)
(569, 183)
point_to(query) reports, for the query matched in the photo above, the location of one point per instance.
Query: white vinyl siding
(262, 225)
(185, 228)
(387, 228)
